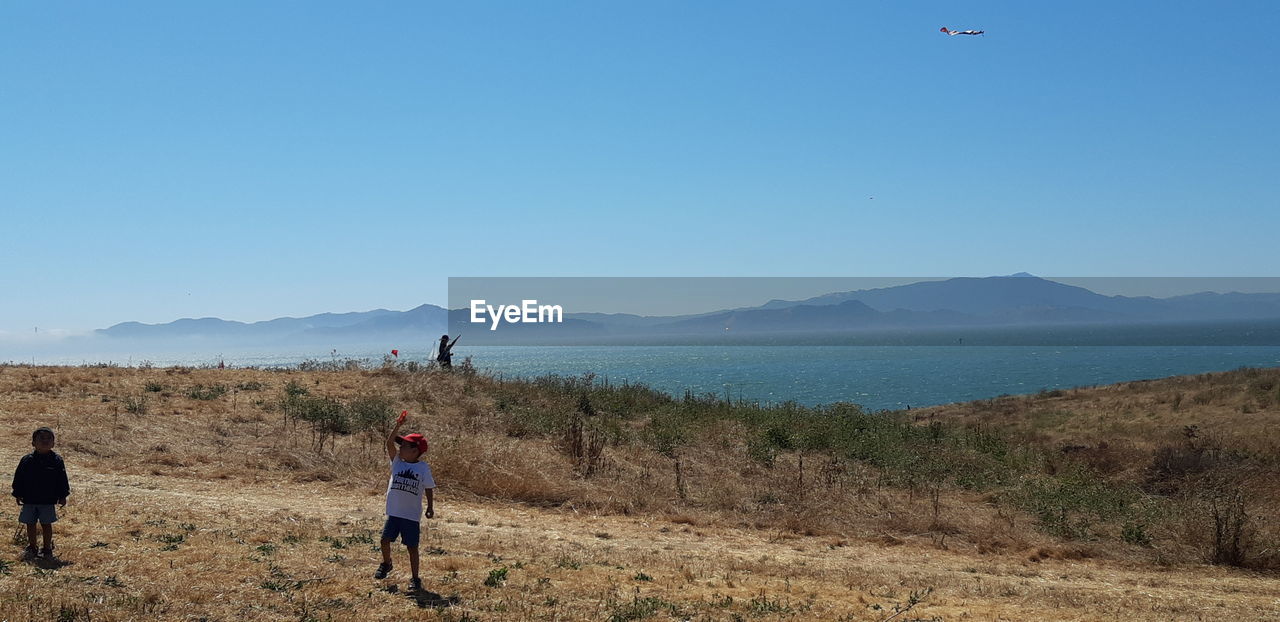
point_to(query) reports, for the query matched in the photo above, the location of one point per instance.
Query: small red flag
(395, 353)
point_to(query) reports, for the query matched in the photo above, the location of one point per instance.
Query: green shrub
(497, 577)
(1135, 533)
(203, 393)
(370, 413)
(1070, 504)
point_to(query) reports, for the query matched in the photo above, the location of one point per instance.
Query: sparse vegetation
(497, 577)
(1128, 473)
(207, 393)
(641, 608)
(135, 404)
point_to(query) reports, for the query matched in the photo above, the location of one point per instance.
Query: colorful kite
(960, 32)
(395, 353)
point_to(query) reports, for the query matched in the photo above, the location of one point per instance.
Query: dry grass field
(197, 495)
(1241, 406)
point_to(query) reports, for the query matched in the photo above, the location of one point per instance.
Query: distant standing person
(410, 481)
(444, 355)
(39, 482)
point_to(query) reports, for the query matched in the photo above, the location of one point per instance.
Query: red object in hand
(404, 414)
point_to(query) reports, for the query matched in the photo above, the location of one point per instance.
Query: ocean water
(877, 377)
(883, 377)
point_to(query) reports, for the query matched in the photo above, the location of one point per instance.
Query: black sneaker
(415, 584)
(30, 553)
(383, 570)
(46, 553)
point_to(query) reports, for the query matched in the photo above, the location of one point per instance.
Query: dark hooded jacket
(41, 479)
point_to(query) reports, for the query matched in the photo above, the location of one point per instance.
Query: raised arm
(392, 450)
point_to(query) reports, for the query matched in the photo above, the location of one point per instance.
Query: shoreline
(877, 378)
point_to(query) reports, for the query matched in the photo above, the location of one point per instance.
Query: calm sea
(877, 377)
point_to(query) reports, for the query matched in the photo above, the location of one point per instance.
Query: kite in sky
(961, 32)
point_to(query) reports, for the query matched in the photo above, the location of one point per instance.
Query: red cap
(414, 439)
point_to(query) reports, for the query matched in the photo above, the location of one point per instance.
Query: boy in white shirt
(410, 481)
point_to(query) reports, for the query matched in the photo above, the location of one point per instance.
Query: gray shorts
(32, 512)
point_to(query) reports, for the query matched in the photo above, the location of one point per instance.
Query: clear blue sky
(250, 160)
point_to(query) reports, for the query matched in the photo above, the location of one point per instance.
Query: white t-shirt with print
(408, 484)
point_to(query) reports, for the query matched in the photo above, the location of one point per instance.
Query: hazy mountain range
(323, 328)
(1017, 302)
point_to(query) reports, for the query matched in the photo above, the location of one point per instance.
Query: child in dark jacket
(38, 483)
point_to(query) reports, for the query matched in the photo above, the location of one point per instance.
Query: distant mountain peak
(1023, 275)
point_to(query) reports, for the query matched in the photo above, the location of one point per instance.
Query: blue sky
(253, 160)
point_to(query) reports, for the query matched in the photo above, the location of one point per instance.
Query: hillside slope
(194, 496)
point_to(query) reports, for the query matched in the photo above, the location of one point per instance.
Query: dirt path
(789, 576)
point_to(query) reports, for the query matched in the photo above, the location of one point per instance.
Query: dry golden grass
(1241, 406)
(189, 509)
